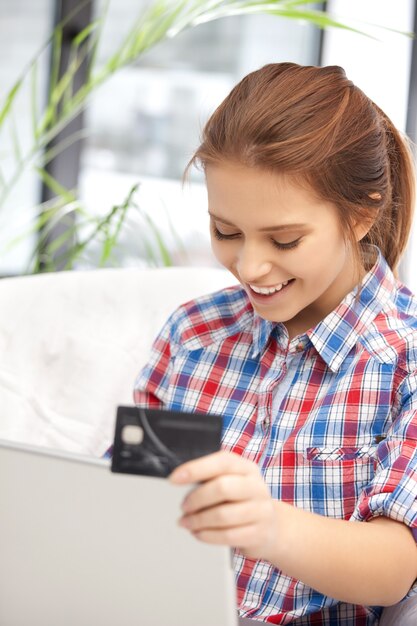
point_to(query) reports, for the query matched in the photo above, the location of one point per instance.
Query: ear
(364, 226)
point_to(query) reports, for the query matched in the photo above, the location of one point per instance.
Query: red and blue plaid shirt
(329, 417)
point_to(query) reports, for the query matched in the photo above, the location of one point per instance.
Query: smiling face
(284, 245)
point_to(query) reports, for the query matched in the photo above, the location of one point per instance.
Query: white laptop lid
(80, 546)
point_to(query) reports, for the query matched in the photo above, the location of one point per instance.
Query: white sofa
(71, 345)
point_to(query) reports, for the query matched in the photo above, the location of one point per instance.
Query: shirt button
(266, 422)
(299, 347)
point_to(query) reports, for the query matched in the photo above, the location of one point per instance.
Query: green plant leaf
(15, 141)
(52, 115)
(61, 146)
(316, 17)
(9, 100)
(86, 32)
(111, 239)
(160, 244)
(55, 65)
(287, 9)
(55, 186)
(34, 99)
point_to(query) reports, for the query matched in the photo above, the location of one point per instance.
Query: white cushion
(72, 343)
(402, 614)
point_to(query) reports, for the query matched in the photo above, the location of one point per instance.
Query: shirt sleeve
(151, 385)
(393, 491)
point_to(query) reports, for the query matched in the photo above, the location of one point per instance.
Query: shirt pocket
(337, 476)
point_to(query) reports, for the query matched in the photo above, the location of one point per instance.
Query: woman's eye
(281, 246)
(286, 246)
(219, 235)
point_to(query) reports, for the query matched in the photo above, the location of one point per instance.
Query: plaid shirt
(329, 417)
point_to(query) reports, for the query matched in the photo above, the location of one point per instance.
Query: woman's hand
(339, 558)
(231, 507)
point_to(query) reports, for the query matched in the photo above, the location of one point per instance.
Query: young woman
(311, 360)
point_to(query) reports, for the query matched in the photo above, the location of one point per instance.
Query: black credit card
(153, 442)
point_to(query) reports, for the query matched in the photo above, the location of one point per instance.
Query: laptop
(82, 546)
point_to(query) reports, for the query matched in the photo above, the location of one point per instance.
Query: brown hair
(315, 124)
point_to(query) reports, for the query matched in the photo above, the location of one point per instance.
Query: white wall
(380, 66)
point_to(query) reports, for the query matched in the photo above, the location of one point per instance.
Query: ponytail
(391, 232)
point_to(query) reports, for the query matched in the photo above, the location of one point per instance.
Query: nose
(253, 263)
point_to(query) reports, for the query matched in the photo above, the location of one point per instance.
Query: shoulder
(211, 318)
(392, 335)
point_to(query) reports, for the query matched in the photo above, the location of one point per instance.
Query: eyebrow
(280, 227)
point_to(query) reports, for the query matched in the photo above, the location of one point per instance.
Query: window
(381, 67)
(144, 123)
(24, 27)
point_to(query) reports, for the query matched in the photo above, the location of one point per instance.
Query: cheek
(223, 253)
(319, 258)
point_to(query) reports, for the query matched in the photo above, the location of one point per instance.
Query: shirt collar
(262, 330)
(335, 336)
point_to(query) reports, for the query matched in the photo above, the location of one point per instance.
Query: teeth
(265, 291)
